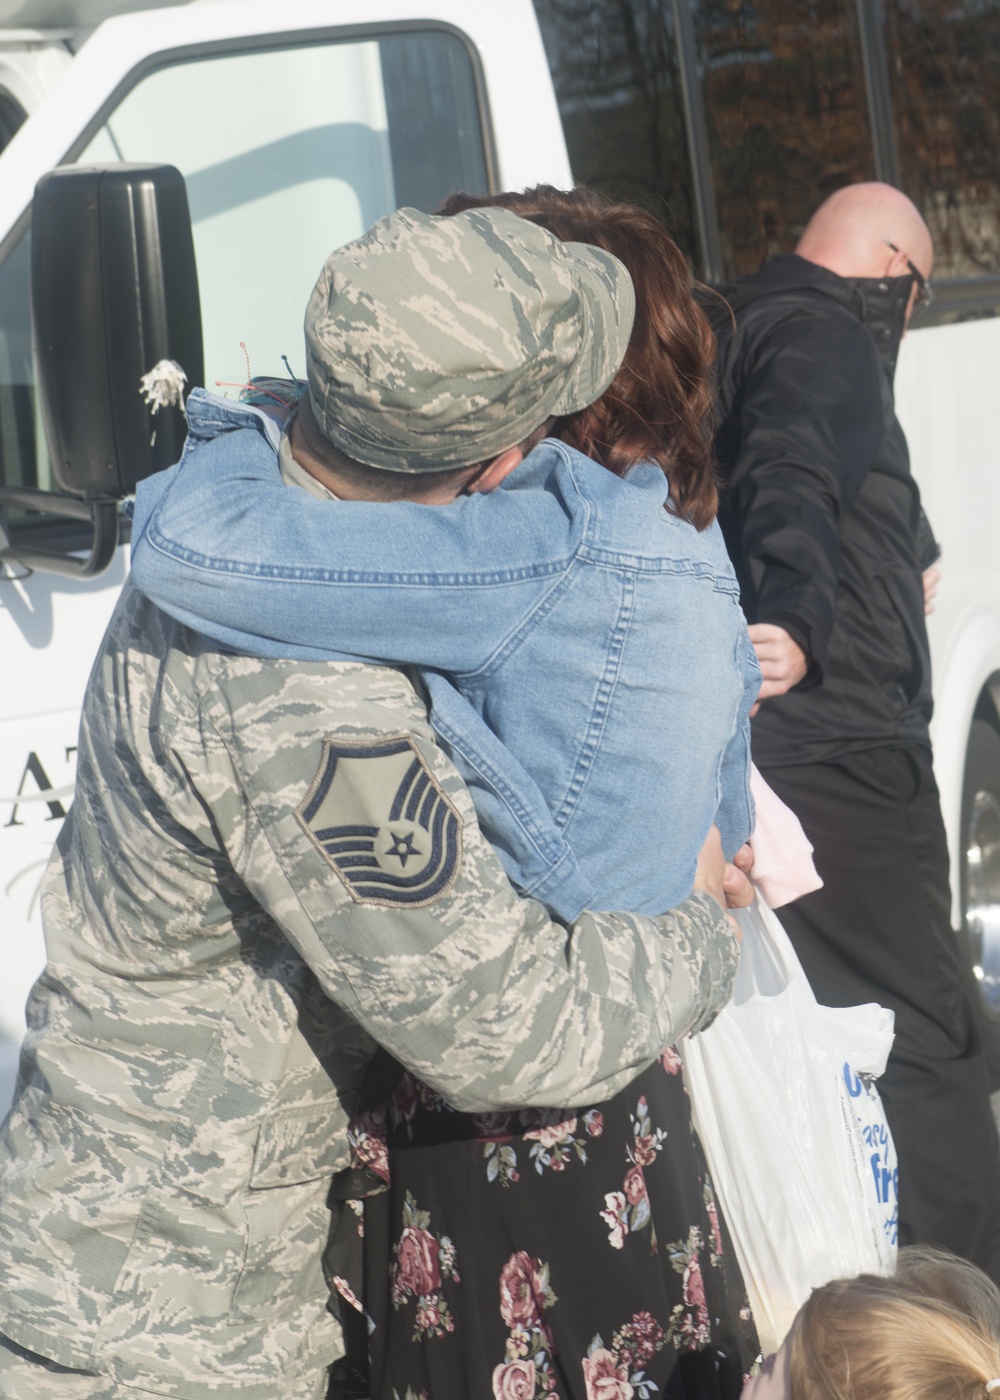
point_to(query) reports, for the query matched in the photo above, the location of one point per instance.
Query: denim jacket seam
(739, 731)
(572, 471)
(552, 851)
(293, 574)
(653, 562)
(602, 704)
(206, 422)
(549, 599)
(553, 869)
(741, 726)
(602, 557)
(522, 630)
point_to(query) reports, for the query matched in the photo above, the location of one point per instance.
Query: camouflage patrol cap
(437, 342)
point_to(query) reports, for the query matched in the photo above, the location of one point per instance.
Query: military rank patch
(381, 819)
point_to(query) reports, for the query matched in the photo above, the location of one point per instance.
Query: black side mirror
(114, 293)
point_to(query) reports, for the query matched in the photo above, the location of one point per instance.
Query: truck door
(290, 145)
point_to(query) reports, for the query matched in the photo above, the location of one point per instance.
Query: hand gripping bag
(793, 1129)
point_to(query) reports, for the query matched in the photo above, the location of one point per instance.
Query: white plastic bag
(793, 1129)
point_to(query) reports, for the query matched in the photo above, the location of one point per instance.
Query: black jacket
(820, 512)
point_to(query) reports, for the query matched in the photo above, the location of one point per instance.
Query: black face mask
(883, 309)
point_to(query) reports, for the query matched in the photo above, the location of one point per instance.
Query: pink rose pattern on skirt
(689, 1321)
(526, 1372)
(367, 1140)
(421, 1260)
(628, 1210)
(620, 1373)
(557, 1135)
(552, 1262)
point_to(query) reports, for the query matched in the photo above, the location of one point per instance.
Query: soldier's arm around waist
(351, 828)
(807, 422)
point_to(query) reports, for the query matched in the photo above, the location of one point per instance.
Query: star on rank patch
(382, 820)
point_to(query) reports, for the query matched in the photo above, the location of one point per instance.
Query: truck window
(615, 70)
(944, 67)
(287, 153)
(784, 96)
(24, 458)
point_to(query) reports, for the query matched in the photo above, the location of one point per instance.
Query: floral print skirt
(571, 1254)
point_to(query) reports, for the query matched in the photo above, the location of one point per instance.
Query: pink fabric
(783, 867)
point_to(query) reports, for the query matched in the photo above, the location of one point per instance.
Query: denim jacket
(584, 652)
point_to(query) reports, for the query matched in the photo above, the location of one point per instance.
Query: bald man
(824, 524)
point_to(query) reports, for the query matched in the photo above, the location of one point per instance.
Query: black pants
(880, 930)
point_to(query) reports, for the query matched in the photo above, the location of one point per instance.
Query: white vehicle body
(283, 87)
(946, 398)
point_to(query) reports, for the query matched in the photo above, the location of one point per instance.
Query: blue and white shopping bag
(784, 1099)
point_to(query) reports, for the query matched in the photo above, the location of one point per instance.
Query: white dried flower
(163, 386)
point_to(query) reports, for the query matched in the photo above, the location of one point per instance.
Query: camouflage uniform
(24, 1375)
(269, 866)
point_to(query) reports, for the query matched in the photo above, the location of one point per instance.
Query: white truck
(296, 126)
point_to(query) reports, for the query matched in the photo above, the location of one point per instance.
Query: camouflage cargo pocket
(285, 1208)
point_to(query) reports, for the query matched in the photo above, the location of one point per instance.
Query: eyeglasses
(925, 292)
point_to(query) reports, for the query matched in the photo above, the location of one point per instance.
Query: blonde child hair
(931, 1332)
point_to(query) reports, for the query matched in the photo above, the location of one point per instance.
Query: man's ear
(496, 471)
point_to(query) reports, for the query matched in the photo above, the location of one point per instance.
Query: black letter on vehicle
(34, 767)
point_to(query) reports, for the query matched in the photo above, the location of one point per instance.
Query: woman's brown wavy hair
(659, 407)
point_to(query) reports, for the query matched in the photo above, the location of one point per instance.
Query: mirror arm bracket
(103, 515)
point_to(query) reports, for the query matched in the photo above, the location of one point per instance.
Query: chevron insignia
(379, 816)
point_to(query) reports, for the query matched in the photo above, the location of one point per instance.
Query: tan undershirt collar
(294, 474)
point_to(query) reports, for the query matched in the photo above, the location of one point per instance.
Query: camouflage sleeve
(359, 838)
